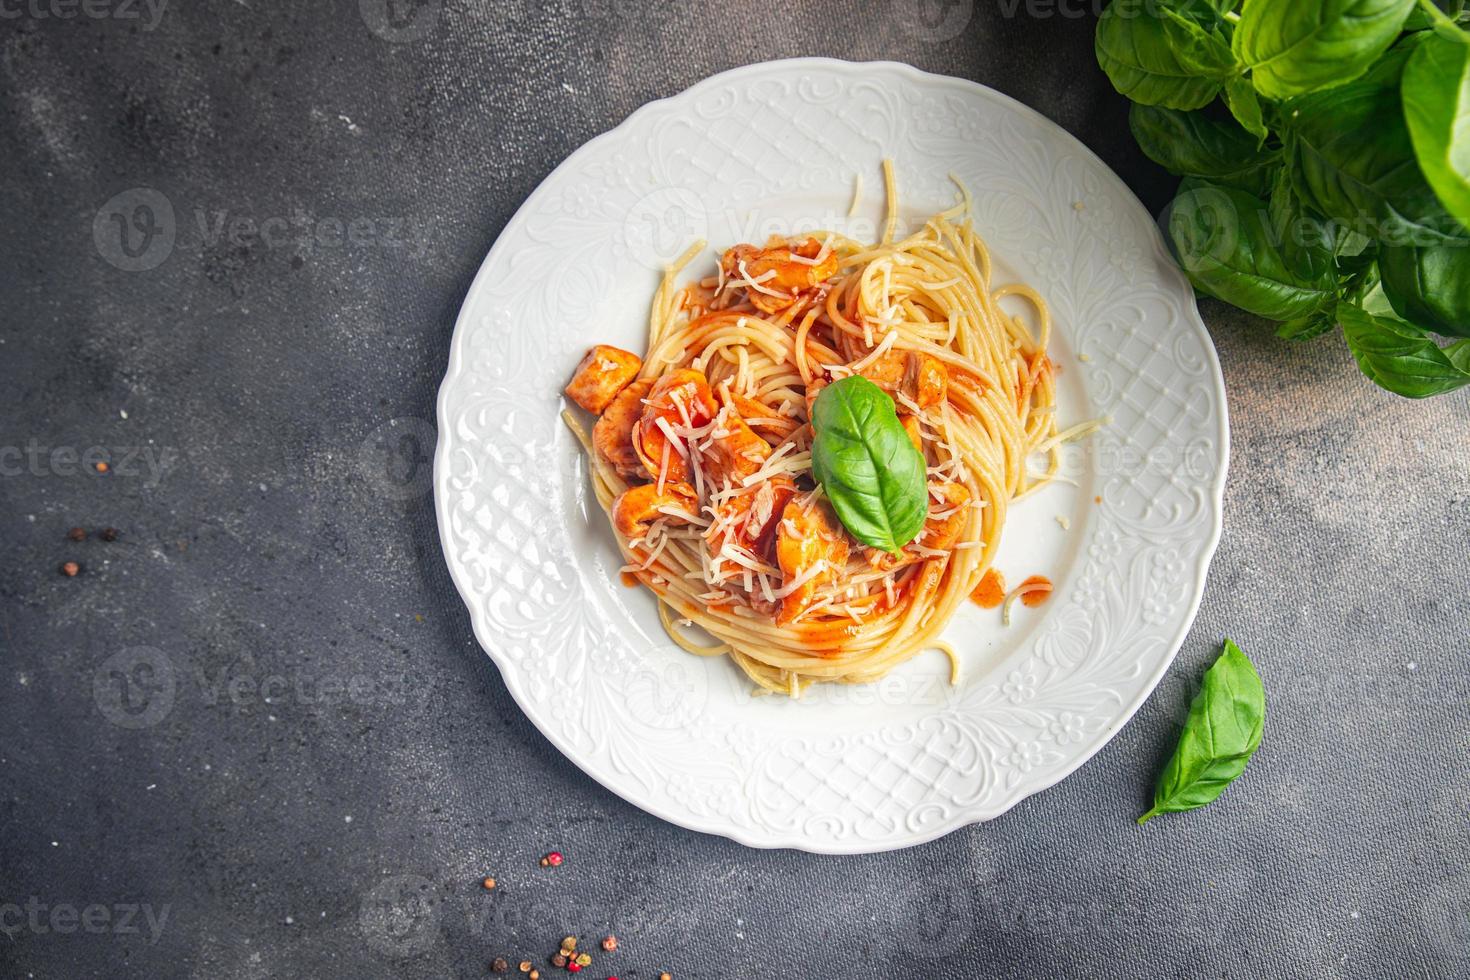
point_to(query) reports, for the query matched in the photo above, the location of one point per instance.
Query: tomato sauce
(1038, 590)
(991, 591)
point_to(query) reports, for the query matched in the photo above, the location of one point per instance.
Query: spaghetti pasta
(703, 461)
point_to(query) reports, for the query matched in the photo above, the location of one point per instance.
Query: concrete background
(254, 738)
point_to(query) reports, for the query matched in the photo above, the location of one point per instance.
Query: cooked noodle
(928, 295)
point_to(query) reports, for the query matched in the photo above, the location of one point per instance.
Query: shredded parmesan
(673, 439)
(765, 586)
(820, 257)
(683, 515)
(756, 282)
(772, 465)
(884, 346)
(803, 577)
(663, 467)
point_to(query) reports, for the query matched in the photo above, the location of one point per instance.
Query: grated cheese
(884, 346)
(820, 257)
(756, 282)
(806, 575)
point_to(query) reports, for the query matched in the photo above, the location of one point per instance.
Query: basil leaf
(1366, 293)
(1355, 251)
(1419, 19)
(1306, 327)
(1197, 144)
(1399, 356)
(1300, 46)
(1308, 247)
(1223, 730)
(871, 472)
(1430, 286)
(1135, 45)
(1228, 249)
(1369, 182)
(1202, 49)
(1245, 106)
(1436, 99)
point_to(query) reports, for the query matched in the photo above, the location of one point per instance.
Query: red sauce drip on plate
(1038, 590)
(991, 591)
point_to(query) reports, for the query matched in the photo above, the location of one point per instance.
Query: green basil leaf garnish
(1223, 731)
(873, 476)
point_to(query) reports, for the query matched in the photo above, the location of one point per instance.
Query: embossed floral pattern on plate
(679, 736)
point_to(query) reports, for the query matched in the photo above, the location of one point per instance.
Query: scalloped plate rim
(715, 826)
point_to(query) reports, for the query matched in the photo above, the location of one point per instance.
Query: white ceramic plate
(776, 147)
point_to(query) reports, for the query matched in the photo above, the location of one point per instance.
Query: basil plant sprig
(1221, 735)
(1326, 150)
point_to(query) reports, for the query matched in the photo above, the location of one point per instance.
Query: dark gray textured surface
(331, 812)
